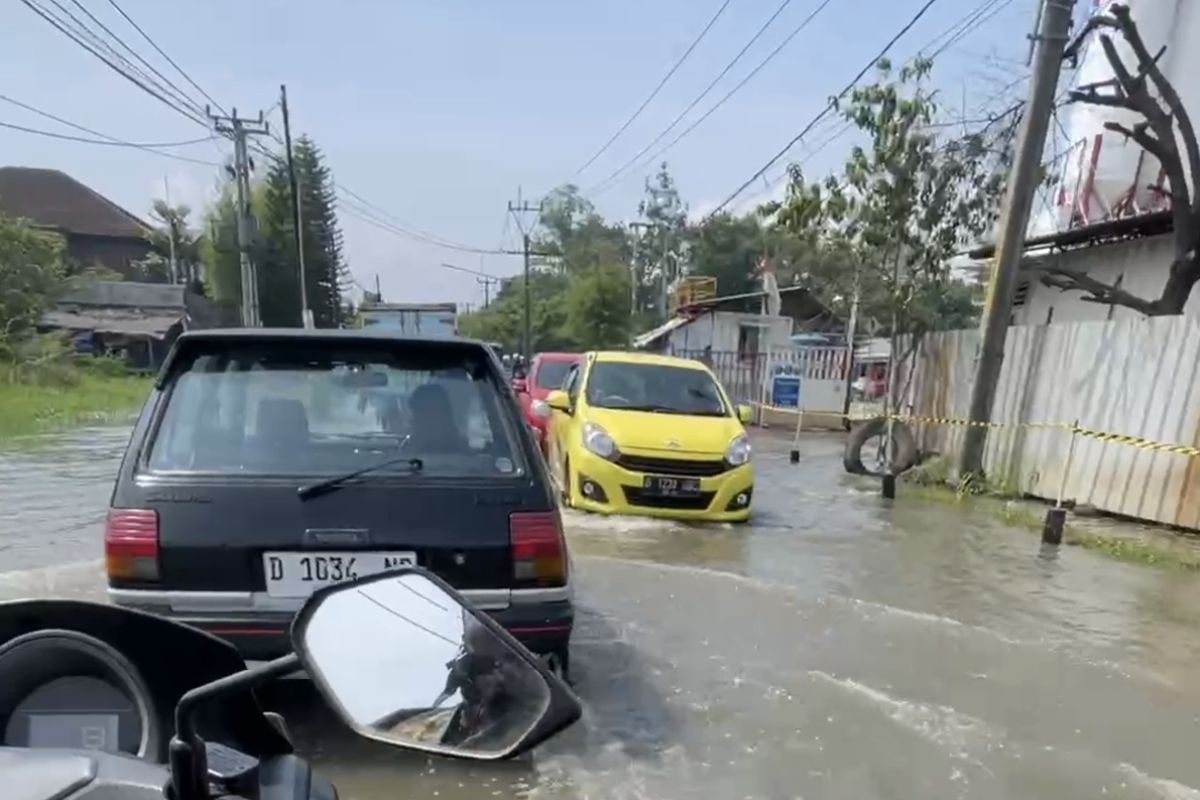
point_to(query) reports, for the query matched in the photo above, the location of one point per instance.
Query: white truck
(438, 320)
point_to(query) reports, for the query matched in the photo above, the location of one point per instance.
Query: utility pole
(238, 129)
(517, 209)
(378, 291)
(483, 279)
(851, 331)
(306, 318)
(1053, 29)
(171, 230)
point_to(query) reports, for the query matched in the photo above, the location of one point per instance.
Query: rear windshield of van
(305, 409)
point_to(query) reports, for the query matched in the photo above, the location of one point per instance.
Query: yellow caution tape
(1100, 436)
(1138, 442)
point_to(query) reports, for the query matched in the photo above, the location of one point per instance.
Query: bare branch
(1096, 291)
(1139, 133)
(1130, 31)
(1097, 21)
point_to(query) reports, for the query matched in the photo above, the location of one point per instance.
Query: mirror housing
(559, 401)
(405, 660)
(745, 413)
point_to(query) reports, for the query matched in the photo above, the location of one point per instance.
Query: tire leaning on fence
(876, 428)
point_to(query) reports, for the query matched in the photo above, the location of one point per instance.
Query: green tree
(327, 273)
(730, 249)
(597, 313)
(903, 206)
(273, 246)
(219, 251)
(172, 223)
(32, 273)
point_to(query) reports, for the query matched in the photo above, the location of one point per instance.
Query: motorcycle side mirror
(404, 660)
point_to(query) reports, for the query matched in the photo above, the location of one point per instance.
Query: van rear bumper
(542, 622)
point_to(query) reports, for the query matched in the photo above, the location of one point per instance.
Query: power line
(662, 134)
(829, 107)
(111, 139)
(97, 41)
(377, 220)
(169, 60)
(996, 7)
(116, 143)
(748, 77)
(174, 94)
(179, 93)
(63, 28)
(657, 88)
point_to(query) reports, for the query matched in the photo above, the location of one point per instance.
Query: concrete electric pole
(306, 318)
(482, 278)
(517, 209)
(171, 231)
(1050, 41)
(238, 129)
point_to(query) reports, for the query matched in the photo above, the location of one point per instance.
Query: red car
(545, 374)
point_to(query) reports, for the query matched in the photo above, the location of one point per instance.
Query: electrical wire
(737, 87)
(63, 28)
(413, 230)
(97, 41)
(149, 148)
(169, 60)
(657, 88)
(111, 139)
(663, 133)
(381, 221)
(996, 8)
(829, 107)
(178, 93)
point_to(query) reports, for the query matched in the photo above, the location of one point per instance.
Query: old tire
(905, 446)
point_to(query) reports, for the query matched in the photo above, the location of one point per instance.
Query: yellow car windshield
(654, 387)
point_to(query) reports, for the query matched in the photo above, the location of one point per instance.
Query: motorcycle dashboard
(63, 689)
(76, 712)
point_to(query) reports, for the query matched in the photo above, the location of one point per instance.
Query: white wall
(1143, 262)
(719, 330)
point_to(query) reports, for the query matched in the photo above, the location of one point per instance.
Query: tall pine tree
(274, 244)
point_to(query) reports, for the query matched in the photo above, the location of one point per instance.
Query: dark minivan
(268, 463)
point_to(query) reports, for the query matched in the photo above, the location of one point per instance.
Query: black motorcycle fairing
(172, 658)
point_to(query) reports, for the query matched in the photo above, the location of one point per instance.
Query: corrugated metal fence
(1139, 377)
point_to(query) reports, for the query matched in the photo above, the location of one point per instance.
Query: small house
(98, 232)
(136, 321)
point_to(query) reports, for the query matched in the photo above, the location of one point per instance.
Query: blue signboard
(785, 391)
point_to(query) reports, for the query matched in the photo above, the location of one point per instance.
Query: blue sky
(438, 110)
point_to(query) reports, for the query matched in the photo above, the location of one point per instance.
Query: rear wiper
(332, 484)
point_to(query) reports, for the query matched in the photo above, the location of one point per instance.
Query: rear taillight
(131, 544)
(538, 552)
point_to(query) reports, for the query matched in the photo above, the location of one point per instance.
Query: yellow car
(631, 433)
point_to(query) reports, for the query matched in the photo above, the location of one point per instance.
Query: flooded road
(837, 646)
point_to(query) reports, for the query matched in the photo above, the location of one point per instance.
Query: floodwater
(838, 646)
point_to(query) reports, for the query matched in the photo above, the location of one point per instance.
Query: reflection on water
(836, 646)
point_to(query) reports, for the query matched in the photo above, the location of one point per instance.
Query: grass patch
(931, 482)
(95, 398)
